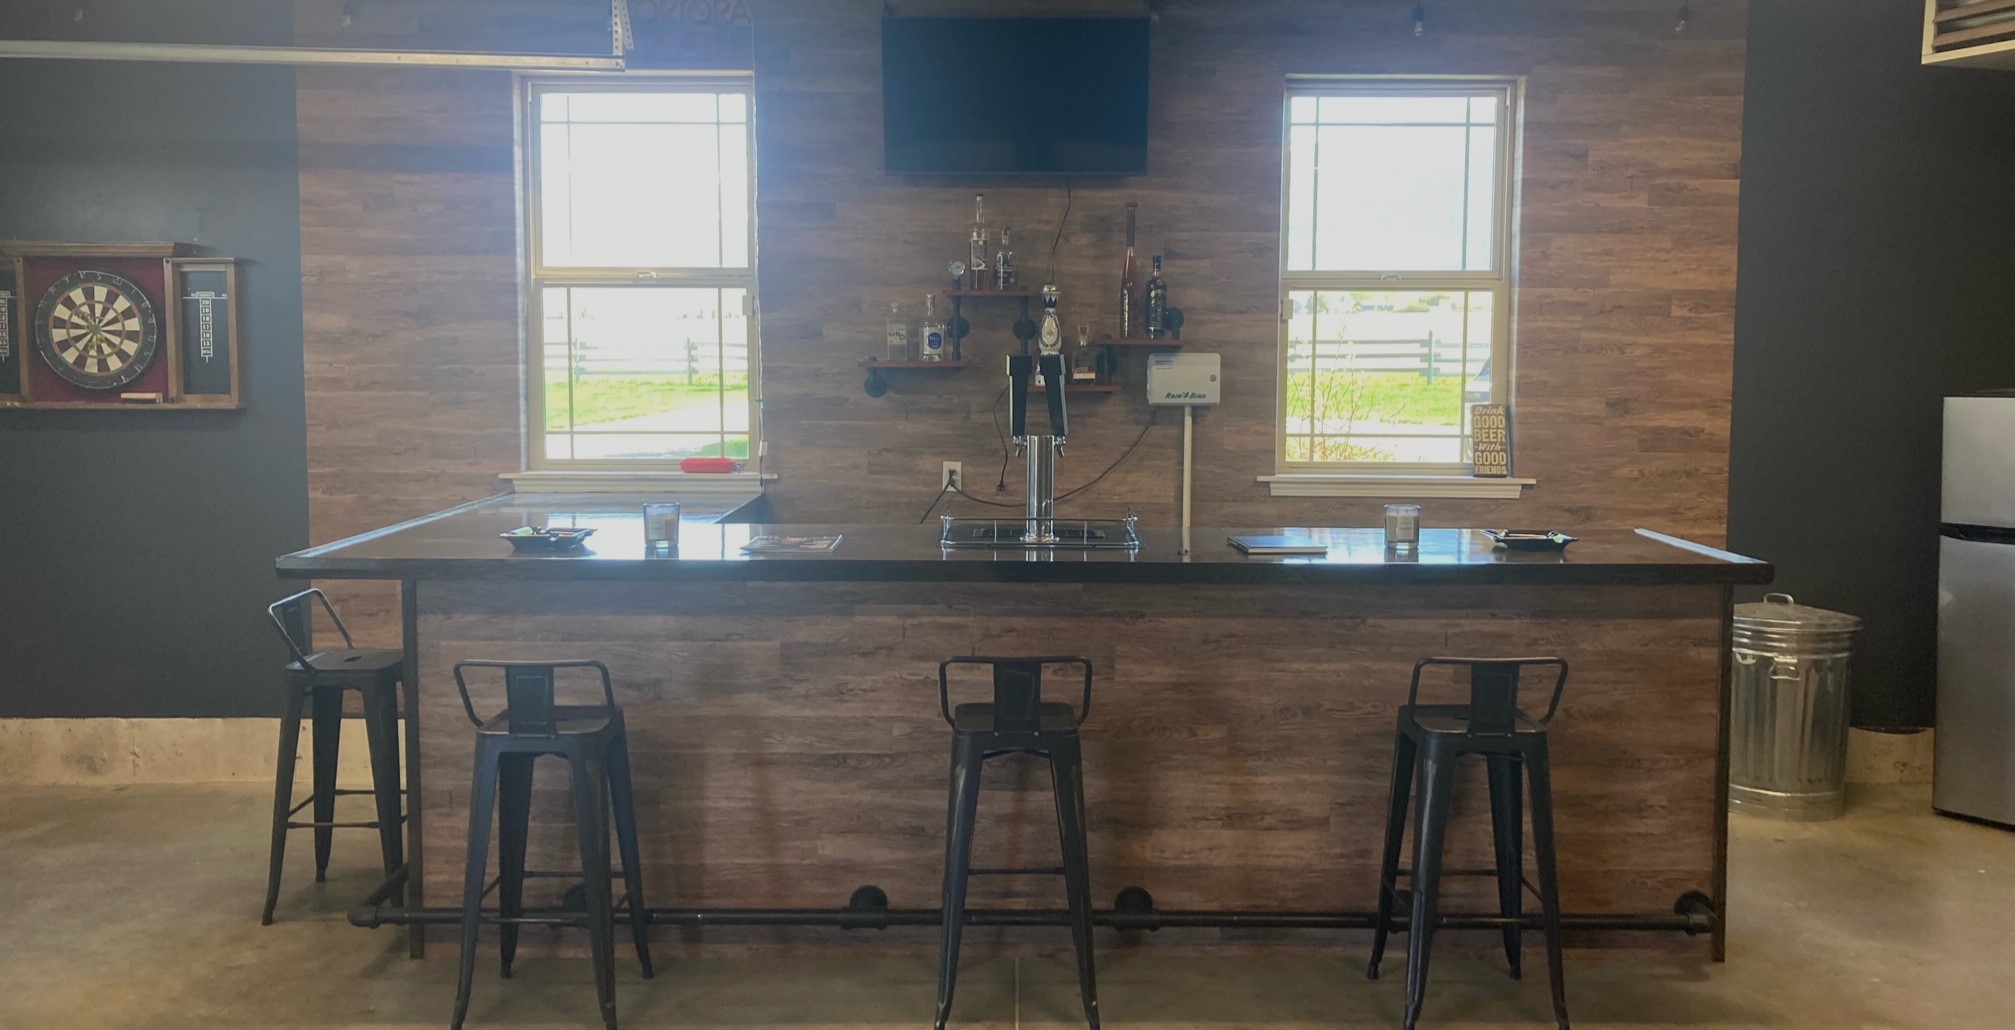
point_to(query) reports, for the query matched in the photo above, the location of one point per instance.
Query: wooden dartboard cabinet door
(13, 337)
(203, 335)
(125, 326)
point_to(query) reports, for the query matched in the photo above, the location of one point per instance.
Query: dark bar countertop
(463, 543)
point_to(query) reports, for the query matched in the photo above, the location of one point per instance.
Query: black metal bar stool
(1437, 737)
(1016, 721)
(592, 740)
(317, 679)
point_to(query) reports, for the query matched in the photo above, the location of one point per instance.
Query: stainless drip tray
(1049, 534)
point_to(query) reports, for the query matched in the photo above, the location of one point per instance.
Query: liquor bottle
(931, 334)
(1157, 302)
(978, 262)
(1004, 274)
(1050, 339)
(899, 334)
(1129, 291)
(1084, 361)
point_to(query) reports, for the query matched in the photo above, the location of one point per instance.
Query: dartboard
(97, 329)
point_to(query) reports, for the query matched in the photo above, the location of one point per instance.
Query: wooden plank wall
(1626, 256)
(788, 746)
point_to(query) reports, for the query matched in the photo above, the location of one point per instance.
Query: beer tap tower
(1041, 449)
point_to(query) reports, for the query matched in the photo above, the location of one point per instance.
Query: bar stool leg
(283, 795)
(967, 755)
(483, 801)
(622, 795)
(1395, 835)
(591, 820)
(381, 734)
(1507, 825)
(1437, 787)
(1536, 767)
(328, 727)
(1067, 782)
(514, 816)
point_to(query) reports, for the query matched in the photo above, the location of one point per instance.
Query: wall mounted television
(1014, 96)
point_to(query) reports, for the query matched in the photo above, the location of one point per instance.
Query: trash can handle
(1779, 598)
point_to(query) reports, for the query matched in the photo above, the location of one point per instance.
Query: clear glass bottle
(1004, 273)
(1049, 339)
(899, 334)
(1157, 303)
(977, 259)
(931, 334)
(1129, 290)
(1084, 361)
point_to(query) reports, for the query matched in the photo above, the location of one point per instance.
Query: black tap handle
(1019, 368)
(1052, 374)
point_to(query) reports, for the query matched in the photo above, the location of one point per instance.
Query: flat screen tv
(1014, 96)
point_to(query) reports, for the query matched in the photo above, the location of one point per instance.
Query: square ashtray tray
(1529, 539)
(530, 539)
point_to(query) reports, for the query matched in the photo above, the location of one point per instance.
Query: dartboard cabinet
(134, 326)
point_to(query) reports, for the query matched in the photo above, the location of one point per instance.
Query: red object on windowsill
(710, 465)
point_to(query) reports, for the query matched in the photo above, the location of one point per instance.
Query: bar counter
(787, 745)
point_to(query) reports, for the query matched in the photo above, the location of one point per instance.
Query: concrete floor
(137, 908)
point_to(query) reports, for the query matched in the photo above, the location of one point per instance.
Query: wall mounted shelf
(1166, 341)
(877, 384)
(1022, 292)
(1070, 388)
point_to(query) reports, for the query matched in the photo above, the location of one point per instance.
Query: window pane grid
(1393, 226)
(642, 369)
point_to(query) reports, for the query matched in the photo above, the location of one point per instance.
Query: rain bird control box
(1182, 379)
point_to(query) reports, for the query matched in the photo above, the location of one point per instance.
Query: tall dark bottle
(1129, 289)
(1157, 303)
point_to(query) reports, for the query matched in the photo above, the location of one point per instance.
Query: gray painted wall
(1877, 252)
(136, 549)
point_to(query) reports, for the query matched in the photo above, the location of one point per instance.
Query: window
(643, 278)
(1395, 281)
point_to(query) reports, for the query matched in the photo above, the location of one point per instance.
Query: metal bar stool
(596, 747)
(318, 679)
(1016, 721)
(1437, 737)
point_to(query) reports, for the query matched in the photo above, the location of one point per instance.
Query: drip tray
(1063, 534)
(1013, 535)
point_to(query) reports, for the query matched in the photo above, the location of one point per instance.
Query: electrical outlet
(953, 474)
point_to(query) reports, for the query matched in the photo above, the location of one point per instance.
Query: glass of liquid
(661, 530)
(1402, 526)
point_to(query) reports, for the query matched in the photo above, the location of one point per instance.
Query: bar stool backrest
(1493, 690)
(297, 624)
(529, 693)
(1017, 693)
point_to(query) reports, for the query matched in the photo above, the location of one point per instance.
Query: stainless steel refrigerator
(1975, 772)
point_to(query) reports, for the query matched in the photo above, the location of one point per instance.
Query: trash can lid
(1781, 611)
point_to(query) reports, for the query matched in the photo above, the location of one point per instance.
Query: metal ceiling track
(207, 53)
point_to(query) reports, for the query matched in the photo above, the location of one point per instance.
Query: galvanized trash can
(1788, 733)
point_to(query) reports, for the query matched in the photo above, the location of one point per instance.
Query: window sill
(1394, 486)
(637, 481)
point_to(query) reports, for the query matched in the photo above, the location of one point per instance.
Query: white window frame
(1297, 478)
(537, 276)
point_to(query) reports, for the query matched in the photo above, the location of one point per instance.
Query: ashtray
(1529, 539)
(552, 538)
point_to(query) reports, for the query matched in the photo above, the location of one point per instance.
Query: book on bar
(1278, 545)
(772, 544)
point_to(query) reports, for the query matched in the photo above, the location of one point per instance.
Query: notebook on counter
(1278, 545)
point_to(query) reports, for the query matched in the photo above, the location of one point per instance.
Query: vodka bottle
(931, 334)
(1004, 273)
(899, 334)
(977, 258)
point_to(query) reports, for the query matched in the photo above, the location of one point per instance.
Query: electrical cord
(1059, 231)
(982, 500)
(1006, 452)
(934, 501)
(1124, 455)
